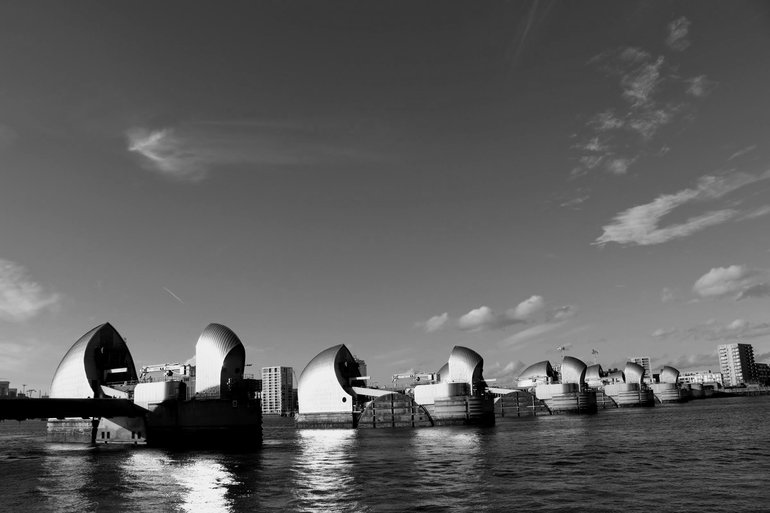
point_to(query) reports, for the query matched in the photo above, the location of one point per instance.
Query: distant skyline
(399, 177)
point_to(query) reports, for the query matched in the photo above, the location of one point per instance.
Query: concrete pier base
(334, 420)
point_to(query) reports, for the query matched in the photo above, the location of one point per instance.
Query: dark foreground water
(706, 456)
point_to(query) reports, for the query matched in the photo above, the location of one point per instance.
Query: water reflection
(451, 459)
(76, 477)
(188, 483)
(323, 473)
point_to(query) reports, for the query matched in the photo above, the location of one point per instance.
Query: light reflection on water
(711, 455)
(192, 483)
(323, 473)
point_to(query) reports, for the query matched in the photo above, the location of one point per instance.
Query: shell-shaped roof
(443, 373)
(538, 370)
(465, 365)
(219, 357)
(634, 373)
(573, 370)
(669, 375)
(594, 372)
(325, 384)
(81, 371)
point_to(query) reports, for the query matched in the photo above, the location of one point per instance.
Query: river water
(708, 456)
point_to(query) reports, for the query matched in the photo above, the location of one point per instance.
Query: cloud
(742, 152)
(667, 295)
(555, 318)
(664, 333)
(651, 97)
(562, 313)
(677, 34)
(713, 331)
(640, 83)
(529, 334)
(477, 319)
(575, 203)
(527, 308)
(639, 225)
(757, 212)
(504, 373)
(20, 297)
(522, 30)
(647, 123)
(735, 282)
(702, 361)
(619, 166)
(435, 323)
(756, 291)
(190, 152)
(734, 330)
(166, 153)
(484, 318)
(700, 86)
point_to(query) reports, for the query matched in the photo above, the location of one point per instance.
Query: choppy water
(710, 455)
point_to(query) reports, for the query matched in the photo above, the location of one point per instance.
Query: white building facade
(736, 362)
(278, 397)
(701, 378)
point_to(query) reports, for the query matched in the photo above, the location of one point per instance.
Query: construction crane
(168, 370)
(427, 377)
(595, 354)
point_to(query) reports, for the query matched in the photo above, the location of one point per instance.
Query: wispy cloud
(641, 81)
(530, 334)
(555, 318)
(668, 295)
(435, 323)
(173, 295)
(190, 152)
(21, 298)
(701, 361)
(640, 225)
(700, 86)
(713, 331)
(664, 333)
(504, 373)
(561, 313)
(167, 153)
(527, 24)
(756, 213)
(735, 282)
(742, 152)
(652, 96)
(576, 202)
(677, 34)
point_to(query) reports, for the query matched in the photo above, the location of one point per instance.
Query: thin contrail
(173, 295)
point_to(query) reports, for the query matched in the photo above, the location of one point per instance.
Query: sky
(527, 179)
